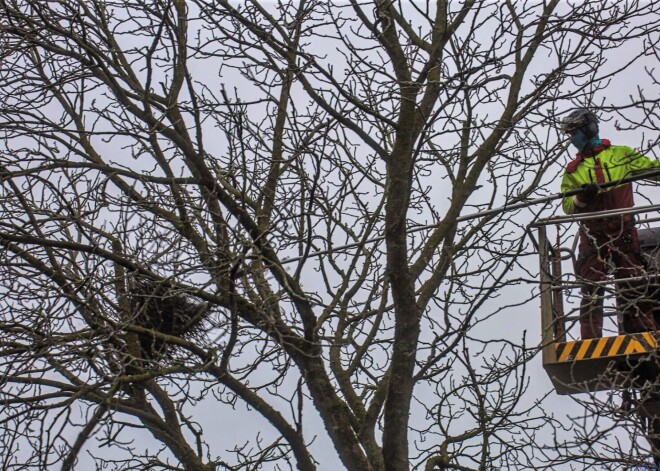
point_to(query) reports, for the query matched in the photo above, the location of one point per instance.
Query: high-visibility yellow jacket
(616, 163)
(604, 163)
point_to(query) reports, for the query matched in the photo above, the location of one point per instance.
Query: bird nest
(163, 309)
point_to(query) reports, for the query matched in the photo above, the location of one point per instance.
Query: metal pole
(479, 214)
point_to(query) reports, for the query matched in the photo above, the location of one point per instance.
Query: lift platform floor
(616, 362)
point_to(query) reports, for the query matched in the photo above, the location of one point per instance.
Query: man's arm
(569, 183)
(639, 163)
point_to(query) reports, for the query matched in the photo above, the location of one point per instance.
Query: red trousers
(600, 256)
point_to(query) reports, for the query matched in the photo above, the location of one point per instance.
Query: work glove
(589, 192)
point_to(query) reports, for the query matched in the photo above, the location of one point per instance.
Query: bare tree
(211, 206)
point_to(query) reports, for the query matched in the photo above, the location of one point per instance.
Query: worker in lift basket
(607, 245)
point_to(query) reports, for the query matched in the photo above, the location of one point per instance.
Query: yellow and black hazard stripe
(607, 346)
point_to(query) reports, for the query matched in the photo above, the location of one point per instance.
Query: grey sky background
(242, 426)
(501, 317)
(224, 426)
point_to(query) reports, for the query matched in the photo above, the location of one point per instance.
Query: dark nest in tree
(163, 309)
